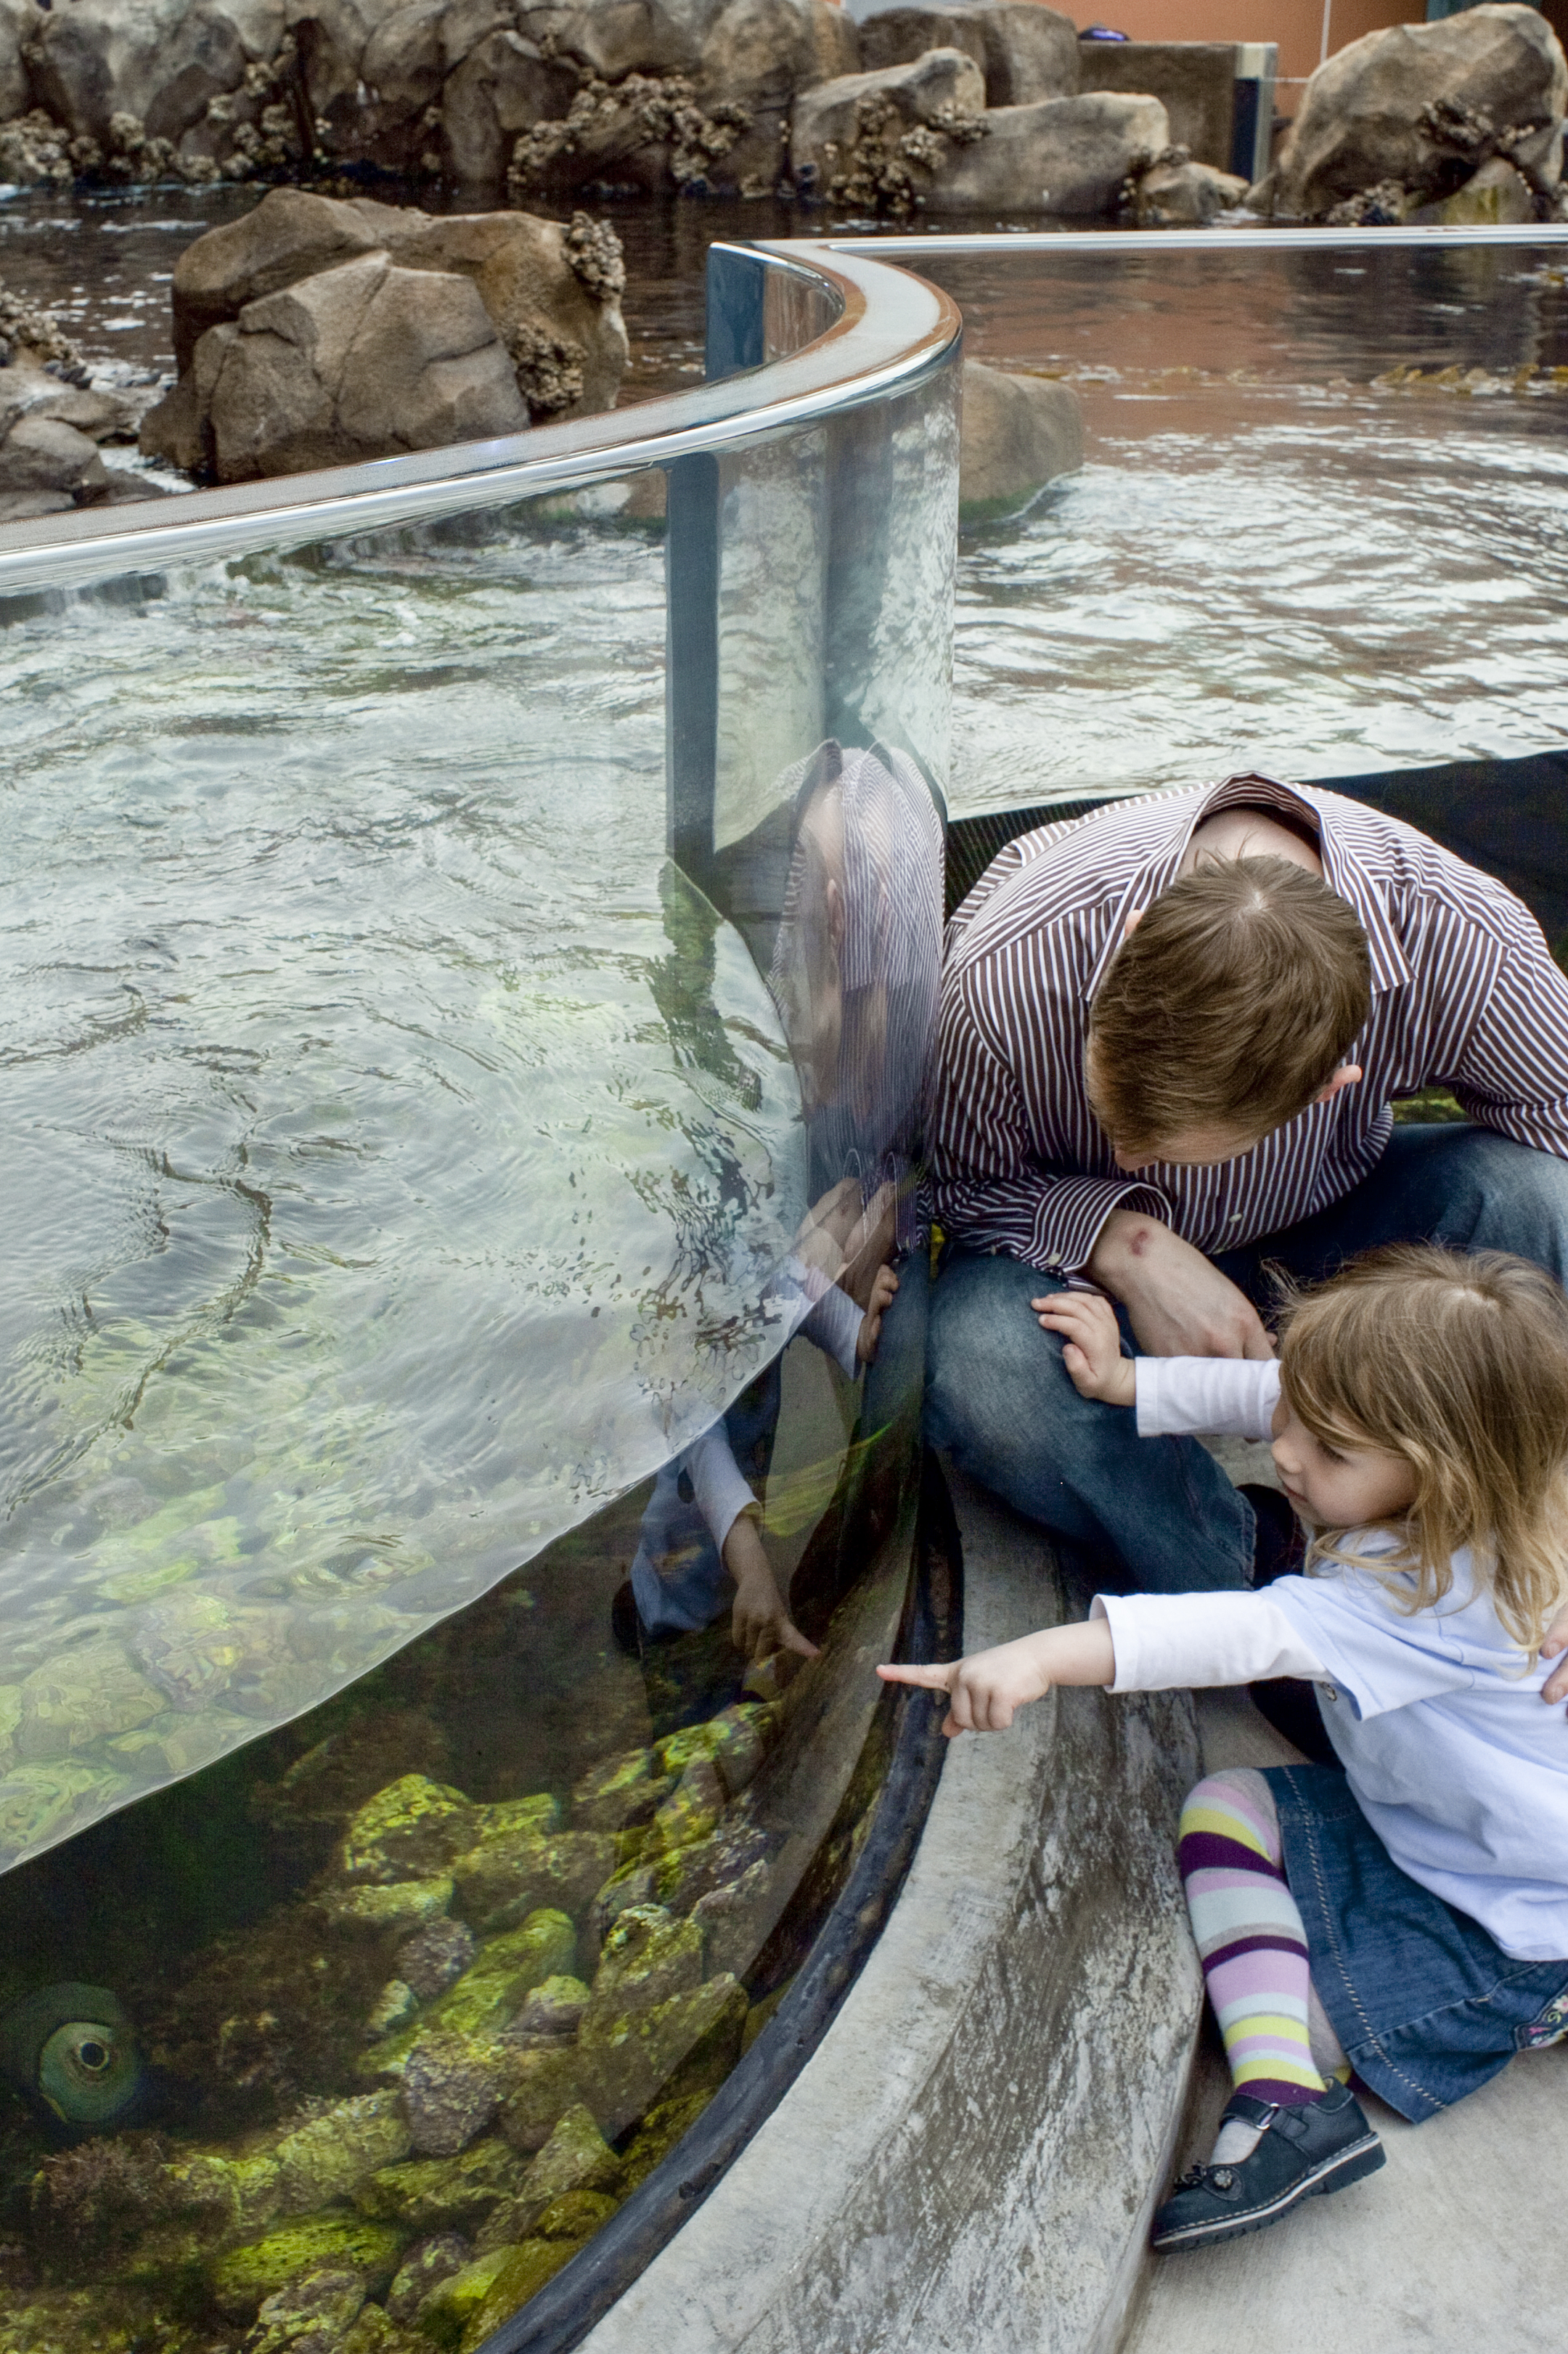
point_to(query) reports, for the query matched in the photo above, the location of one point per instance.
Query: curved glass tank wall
(472, 928)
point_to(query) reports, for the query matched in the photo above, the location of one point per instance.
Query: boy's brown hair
(1232, 1003)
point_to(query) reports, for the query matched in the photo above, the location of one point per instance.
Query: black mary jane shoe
(1323, 2145)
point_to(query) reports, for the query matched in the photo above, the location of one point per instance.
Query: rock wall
(520, 98)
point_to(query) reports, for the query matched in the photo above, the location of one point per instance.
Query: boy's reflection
(854, 973)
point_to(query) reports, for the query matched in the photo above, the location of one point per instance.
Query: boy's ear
(1349, 1074)
(1132, 923)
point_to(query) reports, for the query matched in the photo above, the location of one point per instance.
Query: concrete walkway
(1450, 2250)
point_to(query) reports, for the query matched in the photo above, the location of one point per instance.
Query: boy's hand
(759, 1624)
(1092, 1357)
(986, 1691)
(884, 1284)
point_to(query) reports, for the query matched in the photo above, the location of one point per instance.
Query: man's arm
(1512, 1069)
(1180, 1306)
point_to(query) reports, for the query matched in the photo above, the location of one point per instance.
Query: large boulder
(840, 118)
(1019, 433)
(1066, 155)
(1186, 195)
(551, 293)
(1026, 52)
(502, 87)
(331, 37)
(19, 23)
(1416, 105)
(160, 61)
(365, 361)
(761, 55)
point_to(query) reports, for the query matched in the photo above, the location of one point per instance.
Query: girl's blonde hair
(1458, 1366)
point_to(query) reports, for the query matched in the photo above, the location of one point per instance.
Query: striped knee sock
(1250, 1941)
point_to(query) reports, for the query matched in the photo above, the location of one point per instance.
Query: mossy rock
(328, 2155)
(442, 2194)
(445, 2315)
(394, 1910)
(648, 1956)
(522, 2275)
(665, 2123)
(504, 1878)
(575, 2158)
(688, 2044)
(693, 1813)
(575, 2215)
(678, 1750)
(73, 2321)
(541, 2087)
(619, 1792)
(504, 1970)
(410, 1831)
(338, 2241)
(540, 1814)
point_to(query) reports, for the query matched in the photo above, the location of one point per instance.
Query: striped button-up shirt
(1465, 996)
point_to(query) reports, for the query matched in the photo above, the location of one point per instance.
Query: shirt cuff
(835, 1325)
(1073, 1211)
(1232, 1397)
(721, 1493)
(1185, 1642)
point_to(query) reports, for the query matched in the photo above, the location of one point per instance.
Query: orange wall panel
(1296, 24)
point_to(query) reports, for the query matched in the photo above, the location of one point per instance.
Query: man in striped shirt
(1179, 1227)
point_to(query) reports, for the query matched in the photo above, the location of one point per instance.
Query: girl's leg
(1250, 1939)
(1287, 2132)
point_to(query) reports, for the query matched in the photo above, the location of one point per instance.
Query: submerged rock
(394, 1910)
(619, 1792)
(509, 1877)
(337, 2241)
(552, 2013)
(440, 1954)
(312, 2316)
(328, 2155)
(1185, 195)
(1018, 432)
(541, 2086)
(520, 2275)
(445, 2195)
(626, 2059)
(412, 1828)
(451, 2089)
(428, 2263)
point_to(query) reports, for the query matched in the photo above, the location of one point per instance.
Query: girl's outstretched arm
(986, 1690)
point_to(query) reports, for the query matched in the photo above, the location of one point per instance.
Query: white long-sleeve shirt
(1436, 1714)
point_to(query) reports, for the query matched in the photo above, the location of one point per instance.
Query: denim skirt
(1427, 2006)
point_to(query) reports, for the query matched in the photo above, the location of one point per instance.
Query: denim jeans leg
(998, 1399)
(1462, 1187)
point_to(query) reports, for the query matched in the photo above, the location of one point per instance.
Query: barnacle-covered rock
(446, 2313)
(396, 2006)
(338, 2241)
(504, 1878)
(410, 1831)
(575, 2215)
(445, 2194)
(575, 2158)
(619, 1792)
(665, 2124)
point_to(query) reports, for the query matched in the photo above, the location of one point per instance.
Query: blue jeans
(1158, 1514)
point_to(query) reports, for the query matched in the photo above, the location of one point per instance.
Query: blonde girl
(1404, 1914)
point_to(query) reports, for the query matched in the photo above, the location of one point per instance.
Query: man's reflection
(853, 972)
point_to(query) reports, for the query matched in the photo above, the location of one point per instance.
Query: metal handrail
(891, 332)
(930, 244)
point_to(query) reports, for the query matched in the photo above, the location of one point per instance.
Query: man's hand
(883, 1287)
(759, 1623)
(987, 1690)
(1556, 1684)
(1092, 1357)
(1180, 1306)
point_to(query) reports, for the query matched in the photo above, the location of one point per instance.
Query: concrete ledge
(970, 2157)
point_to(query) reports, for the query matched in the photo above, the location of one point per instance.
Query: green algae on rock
(336, 2241)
